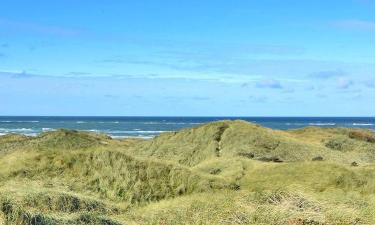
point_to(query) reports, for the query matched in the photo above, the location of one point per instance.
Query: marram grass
(227, 172)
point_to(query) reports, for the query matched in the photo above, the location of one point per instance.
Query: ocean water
(148, 127)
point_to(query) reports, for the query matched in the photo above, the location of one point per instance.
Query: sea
(148, 127)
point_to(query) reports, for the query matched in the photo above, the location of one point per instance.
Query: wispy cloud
(269, 83)
(73, 73)
(19, 26)
(15, 74)
(355, 24)
(115, 60)
(147, 76)
(343, 83)
(327, 74)
(202, 56)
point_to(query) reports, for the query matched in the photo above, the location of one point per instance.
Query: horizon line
(191, 116)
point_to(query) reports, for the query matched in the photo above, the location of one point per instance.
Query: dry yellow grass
(227, 172)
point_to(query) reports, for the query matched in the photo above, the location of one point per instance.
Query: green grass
(219, 173)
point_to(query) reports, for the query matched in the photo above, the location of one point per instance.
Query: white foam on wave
(151, 131)
(101, 122)
(47, 129)
(301, 124)
(322, 124)
(172, 123)
(94, 130)
(15, 129)
(19, 121)
(111, 122)
(363, 124)
(151, 123)
(137, 131)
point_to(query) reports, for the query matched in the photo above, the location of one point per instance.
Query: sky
(187, 58)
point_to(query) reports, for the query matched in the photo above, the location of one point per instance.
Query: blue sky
(192, 58)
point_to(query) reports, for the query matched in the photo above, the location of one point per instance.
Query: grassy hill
(226, 172)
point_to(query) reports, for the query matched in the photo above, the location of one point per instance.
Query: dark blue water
(147, 127)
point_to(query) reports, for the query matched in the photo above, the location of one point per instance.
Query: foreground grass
(227, 172)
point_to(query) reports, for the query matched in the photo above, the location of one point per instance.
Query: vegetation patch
(363, 135)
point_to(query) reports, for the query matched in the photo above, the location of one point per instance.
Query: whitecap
(112, 122)
(363, 124)
(151, 123)
(137, 131)
(15, 129)
(322, 124)
(19, 121)
(93, 130)
(151, 131)
(47, 129)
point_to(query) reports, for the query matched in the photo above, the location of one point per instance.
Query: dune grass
(226, 172)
